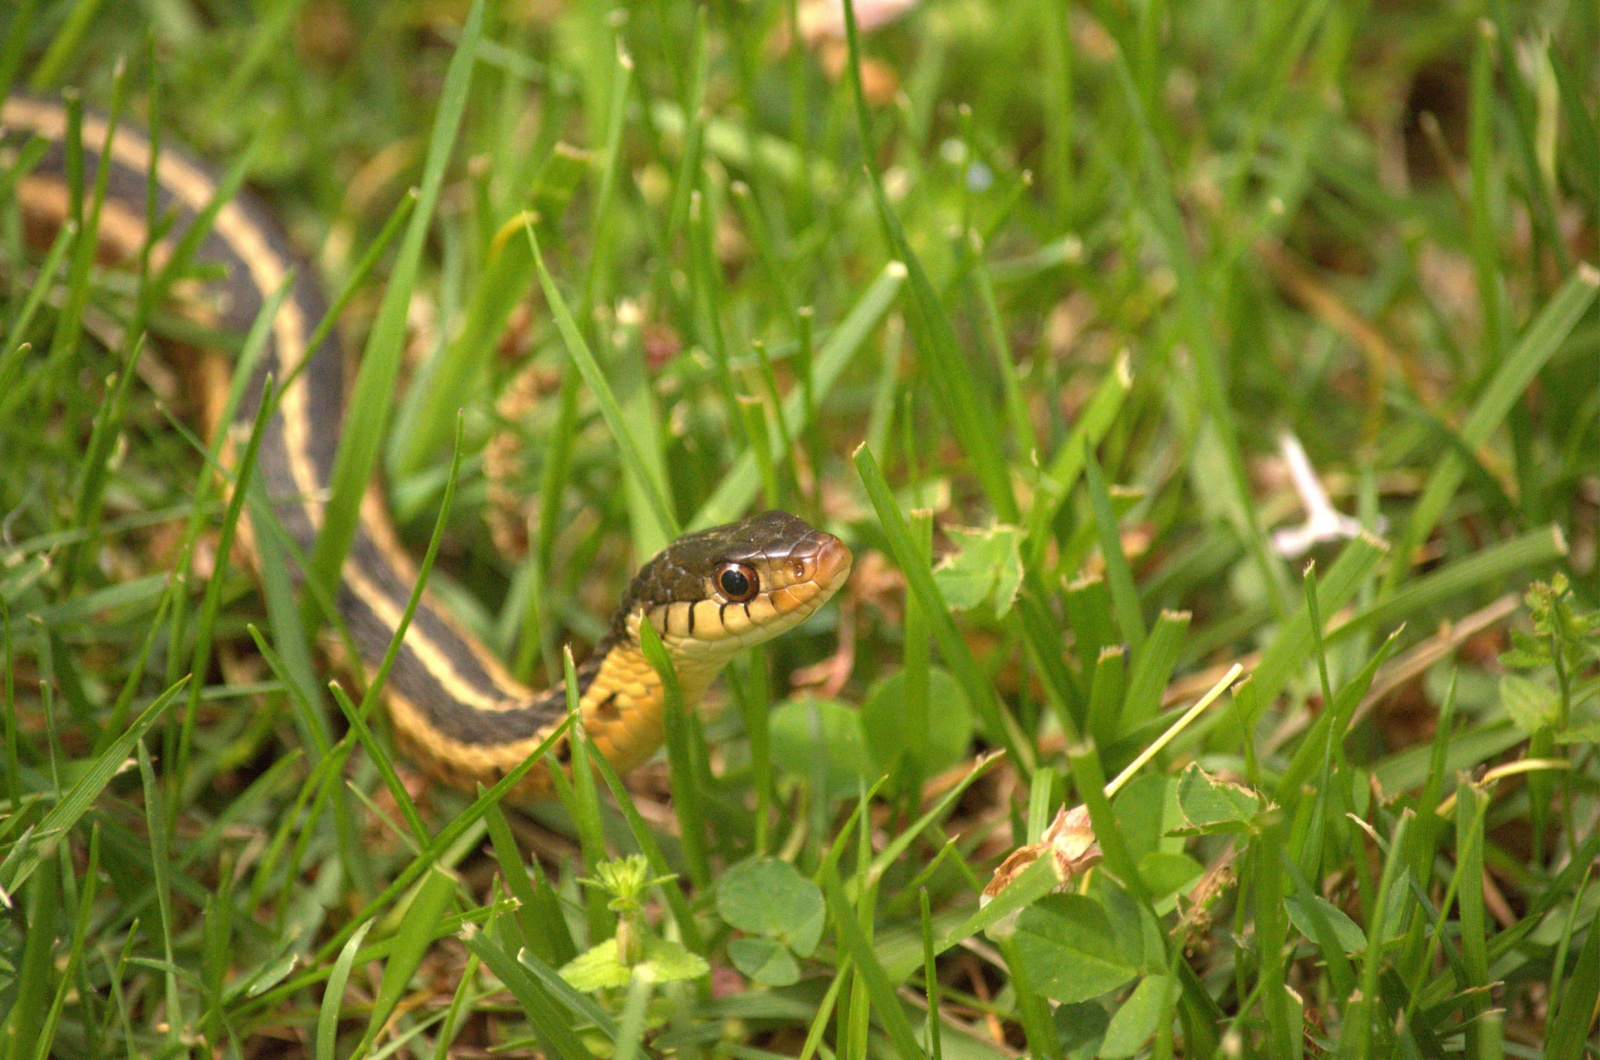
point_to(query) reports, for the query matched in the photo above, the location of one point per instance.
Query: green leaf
(853, 943)
(1487, 566)
(1152, 668)
(1082, 1027)
(997, 917)
(770, 897)
(949, 727)
(554, 1026)
(666, 961)
(1351, 938)
(1119, 575)
(597, 968)
(973, 421)
(1065, 467)
(1139, 1016)
(998, 724)
(1212, 805)
(445, 383)
(1293, 645)
(274, 975)
(1070, 948)
(684, 775)
(447, 837)
(601, 967)
(764, 960)
(988, 563)
(802, 729)
(1146, 809)
(644, 478)
(1165, 873)
(1531, 704)
(561, 990)
(1575, 1017)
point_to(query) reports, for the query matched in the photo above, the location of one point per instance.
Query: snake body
(454, 707)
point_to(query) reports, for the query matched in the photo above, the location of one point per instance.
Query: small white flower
(1323, 522)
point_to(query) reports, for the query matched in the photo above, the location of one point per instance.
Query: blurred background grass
(1183, 231)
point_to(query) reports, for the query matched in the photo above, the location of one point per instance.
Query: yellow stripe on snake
(454, 706)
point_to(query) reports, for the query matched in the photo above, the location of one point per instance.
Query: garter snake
(454, 706)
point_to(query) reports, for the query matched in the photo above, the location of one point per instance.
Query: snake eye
(738, 582)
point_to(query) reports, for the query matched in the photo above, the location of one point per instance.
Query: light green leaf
(597, 968)
(1138, 1017)
(1166, 874)
(802, 729)
(1212, 805)
(667, 962)
(988, 563)
(1531, 705)
(949, 726)
(1351, 938)
(764, 960)
(1070, 948)
(600, 967)
(769, 897)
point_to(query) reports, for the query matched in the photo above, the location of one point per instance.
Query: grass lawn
(1066, 318)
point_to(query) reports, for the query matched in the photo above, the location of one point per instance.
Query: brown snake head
(711, 593)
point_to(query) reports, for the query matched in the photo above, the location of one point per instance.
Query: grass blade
(1486, 567)
(1064, 468)
(738, 486)
(66, 813)
(553, 1026)
(654, 489)
(433, 899)
(1576, 1016)
(1539, 343)
(853, 942)
(333, 996)
(685, 789)
(373, 393)
(980, 693)
(1294, 642)
(1119, 576)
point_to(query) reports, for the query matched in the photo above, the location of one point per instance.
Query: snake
(454, 707)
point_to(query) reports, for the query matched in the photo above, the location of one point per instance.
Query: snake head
(719, 590)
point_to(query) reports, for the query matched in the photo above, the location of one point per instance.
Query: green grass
(1052, 300)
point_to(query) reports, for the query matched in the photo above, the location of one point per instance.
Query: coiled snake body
(454, 706)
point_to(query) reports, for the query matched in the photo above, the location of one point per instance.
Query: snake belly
(455, 708)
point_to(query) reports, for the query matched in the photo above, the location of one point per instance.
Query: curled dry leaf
(1069, 840)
